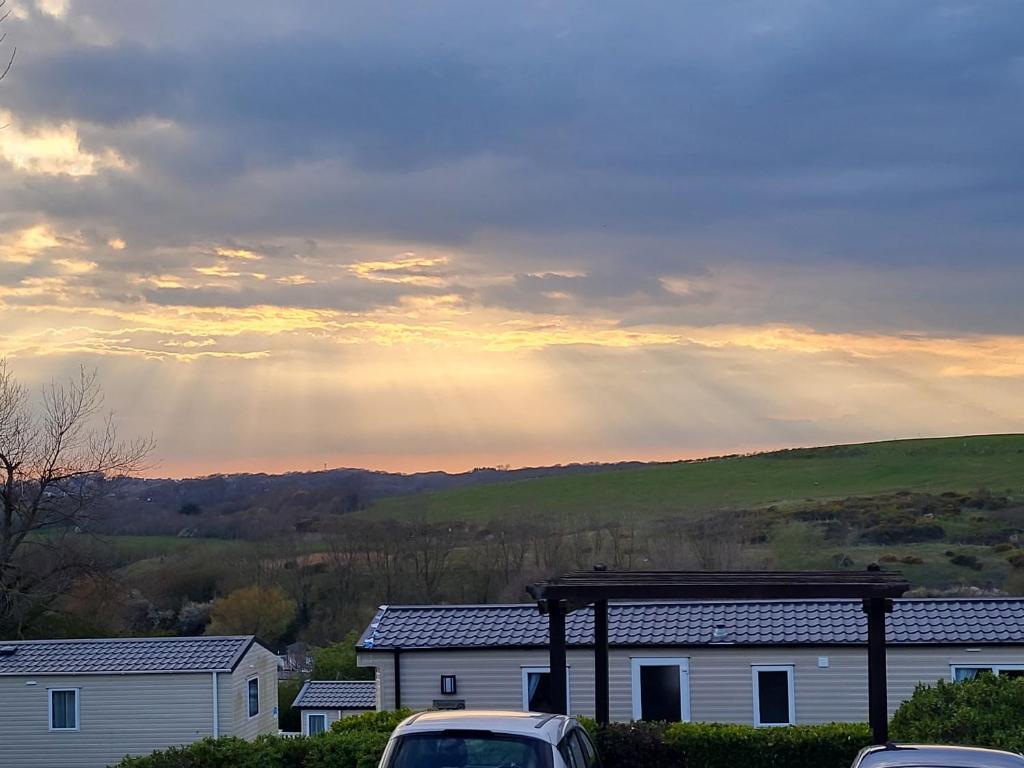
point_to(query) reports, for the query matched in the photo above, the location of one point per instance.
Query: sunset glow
(522, 253)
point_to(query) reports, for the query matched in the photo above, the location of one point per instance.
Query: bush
(624, 745)
(372, 722)
(352, 749)
(716, 745)
(966, 561)
(984, 712)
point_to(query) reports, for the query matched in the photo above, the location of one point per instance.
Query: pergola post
(601, 691)
(557, 663)
(878, 695)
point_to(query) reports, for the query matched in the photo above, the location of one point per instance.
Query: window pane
(1011, 672)
(539, 691)
(254, 697)
(969, 673)
(773, 697)
(455, 749)
(317, 724)
(660, 697)
(63, 709)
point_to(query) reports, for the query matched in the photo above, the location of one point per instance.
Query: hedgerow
(984, 712)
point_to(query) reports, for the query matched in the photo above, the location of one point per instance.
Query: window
(661, 689)
(589, 751)
(253, 685)
(774, 696)
(63, 709)
(480, 749)
(572, 752)
(315, 724)
(537, 689)
(969, 672)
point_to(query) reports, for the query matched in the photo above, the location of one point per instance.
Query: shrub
(984, 712)
(1016, 560)
(717, 745)
(372, 722)
(903, 532)
(966, 561)
(623, 745)
(352, 749)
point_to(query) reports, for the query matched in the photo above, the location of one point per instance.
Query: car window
(571, 751)
(470, 749)
(587, 748)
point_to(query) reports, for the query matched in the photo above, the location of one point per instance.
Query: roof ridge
(720, 601)
(169, 638)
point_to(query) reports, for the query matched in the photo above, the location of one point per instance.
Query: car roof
(895, 756)
(537, 725)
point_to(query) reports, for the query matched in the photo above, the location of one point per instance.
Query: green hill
(995, 462)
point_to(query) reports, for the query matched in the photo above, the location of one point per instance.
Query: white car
(926, 756)
(489, 739)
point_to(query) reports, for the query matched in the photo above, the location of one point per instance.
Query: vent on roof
(8, 650)
(719, 634)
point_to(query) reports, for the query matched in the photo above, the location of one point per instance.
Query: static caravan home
(88, 703)
(322, 702)
(762, 663)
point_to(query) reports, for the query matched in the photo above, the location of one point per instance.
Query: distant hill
(994, 462)
(218, 503)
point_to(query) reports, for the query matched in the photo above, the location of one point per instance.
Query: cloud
(659, 225)
(53, 150)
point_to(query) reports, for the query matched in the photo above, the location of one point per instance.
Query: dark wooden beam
(601, 692)
(878, 694)
(558, 664)
(582, 588)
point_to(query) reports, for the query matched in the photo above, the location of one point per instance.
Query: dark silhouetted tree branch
(58, 458)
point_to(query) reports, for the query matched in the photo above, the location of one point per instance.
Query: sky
(408, 236)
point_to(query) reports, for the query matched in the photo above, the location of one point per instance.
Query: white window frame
(659, 661)
(78, 708)
(525, 674)
(309, 716)
(995, 667)
(790, 671)
(248, 700)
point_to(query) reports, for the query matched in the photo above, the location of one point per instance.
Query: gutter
(216, 708)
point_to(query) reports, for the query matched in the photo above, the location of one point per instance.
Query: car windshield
(469, 749)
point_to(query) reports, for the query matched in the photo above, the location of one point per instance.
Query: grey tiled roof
(769, 622)
(149, 654)
(337, 694)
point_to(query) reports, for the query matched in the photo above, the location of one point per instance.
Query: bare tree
(5, 68)
(717, 541)
(58, 458)
(429, 549)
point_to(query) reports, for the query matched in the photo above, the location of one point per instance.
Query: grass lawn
(943, 464)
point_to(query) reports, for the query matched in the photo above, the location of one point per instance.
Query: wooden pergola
(570, 592)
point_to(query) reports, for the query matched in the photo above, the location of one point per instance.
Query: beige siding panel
(261, 663)
(119, 715)
(721, 679)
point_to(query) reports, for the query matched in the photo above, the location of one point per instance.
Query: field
(783, 478)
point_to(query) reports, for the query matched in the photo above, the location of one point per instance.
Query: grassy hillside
(933, 465)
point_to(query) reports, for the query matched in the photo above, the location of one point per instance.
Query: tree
(5, 68)
(338, 661)
(190, 508)
(266, 612)
(58, 459)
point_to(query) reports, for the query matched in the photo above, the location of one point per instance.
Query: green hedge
(714, 745)
(985, 712)
(358, 742)
(353, 749)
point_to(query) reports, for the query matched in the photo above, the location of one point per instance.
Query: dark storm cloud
(879, 134)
